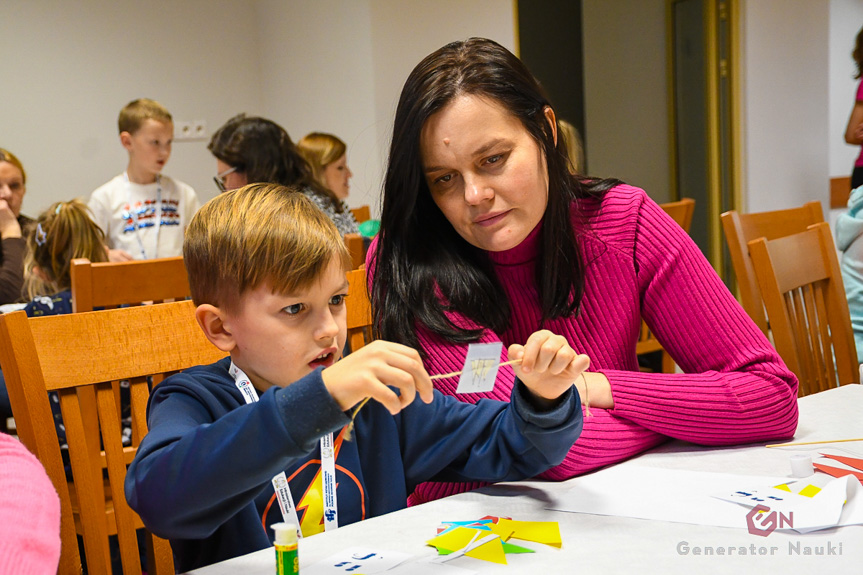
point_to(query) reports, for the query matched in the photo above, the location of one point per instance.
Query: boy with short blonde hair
(267, 272)
(142, 212)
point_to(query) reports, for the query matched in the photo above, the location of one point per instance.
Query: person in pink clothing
(29, 513)
(854, 130)
(486, 236)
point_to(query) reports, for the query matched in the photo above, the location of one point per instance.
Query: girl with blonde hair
(63, 232)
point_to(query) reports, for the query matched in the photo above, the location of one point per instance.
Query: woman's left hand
(549, 366)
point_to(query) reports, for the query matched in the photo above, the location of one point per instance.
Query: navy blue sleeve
(207, 455)
(448, 440)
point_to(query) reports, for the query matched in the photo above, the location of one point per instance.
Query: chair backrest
(362, 213)
(111, 284)
(740, 229)
(89, 352)
(359, 310)
(681, 212)
(357, 248)
(805, 299)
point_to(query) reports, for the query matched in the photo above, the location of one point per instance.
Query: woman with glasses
(250, 149)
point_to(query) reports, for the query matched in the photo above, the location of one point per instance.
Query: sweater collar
(523, 253)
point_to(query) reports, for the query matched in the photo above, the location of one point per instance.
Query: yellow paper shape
(491, 551)
(807, 491)
(546, 532)
(454, 539)
(810, 491)
(460, 537)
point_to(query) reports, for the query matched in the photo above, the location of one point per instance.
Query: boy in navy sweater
(259, 437)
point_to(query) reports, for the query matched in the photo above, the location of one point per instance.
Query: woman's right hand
(372, 370)
(9, 227)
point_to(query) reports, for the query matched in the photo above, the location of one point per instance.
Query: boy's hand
(369, 371)
(548, 365)
(119, 256)
(9, 227)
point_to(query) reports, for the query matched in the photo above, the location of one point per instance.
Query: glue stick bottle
(287, 560)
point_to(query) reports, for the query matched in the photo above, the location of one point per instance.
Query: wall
(330, 65)
(784, 63)
(72, 68)
(401, 38)
(316, 62)
(626, 96)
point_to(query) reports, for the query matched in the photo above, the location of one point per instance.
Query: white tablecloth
(607, 544)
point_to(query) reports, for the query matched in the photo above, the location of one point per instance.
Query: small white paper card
(357, 560)
(480, 368)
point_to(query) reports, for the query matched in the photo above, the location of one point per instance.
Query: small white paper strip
(480, 368)
(356, 560)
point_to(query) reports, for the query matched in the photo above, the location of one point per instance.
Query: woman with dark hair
(487, 236)
(854, 130)
(252, 150)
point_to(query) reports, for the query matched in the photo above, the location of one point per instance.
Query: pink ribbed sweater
(29, 513)
(639, 262)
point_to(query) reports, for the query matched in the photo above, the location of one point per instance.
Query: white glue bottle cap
(286, 533)
(801, 465)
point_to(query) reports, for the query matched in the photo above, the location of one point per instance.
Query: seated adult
(486, 236)
(13, 180)
(251, 150)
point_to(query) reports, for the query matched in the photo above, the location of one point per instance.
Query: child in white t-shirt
(142, 212)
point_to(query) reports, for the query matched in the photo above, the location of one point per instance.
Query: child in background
(328, 157)
(142, 212)
(60, 234)
(63, 232)
(267, 272)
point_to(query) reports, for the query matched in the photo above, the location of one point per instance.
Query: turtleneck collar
(523, 253)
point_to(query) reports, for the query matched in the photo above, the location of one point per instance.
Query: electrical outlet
(190, 130)
(199, 129)
(182, 131)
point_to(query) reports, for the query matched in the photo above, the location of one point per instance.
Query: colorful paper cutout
(546, 532)
(490, 538)
(480, 368)
(512, 548)
(461, 537)
(846, 465)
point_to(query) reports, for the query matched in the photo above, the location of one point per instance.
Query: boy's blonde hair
(133, 114)
(63, 232)
(260, 233)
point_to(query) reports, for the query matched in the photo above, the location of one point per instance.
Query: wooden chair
(362, 213)
(805, 298)
(357, 248)
(681, 212)
(359, 310)
(740, 229)
(67, 353)
(111, 284)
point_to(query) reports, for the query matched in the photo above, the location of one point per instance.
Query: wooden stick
(441, 376)
(813, 442)
(455, 373)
